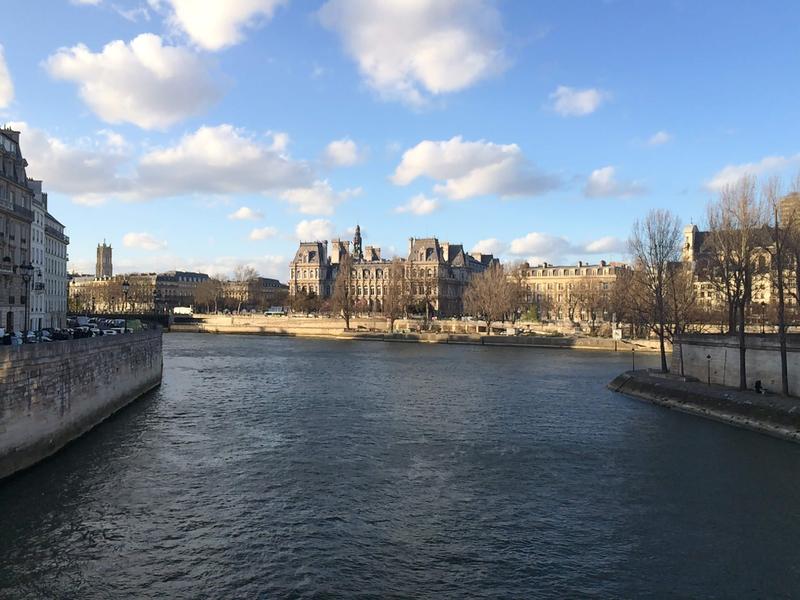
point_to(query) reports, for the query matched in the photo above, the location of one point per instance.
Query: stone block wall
(762, 359)
(52, 393)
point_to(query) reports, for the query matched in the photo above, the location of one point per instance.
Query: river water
(273, 467)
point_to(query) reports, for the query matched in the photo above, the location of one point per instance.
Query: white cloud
(471, 169)
(605, 245)
(342, 153)
(730, 174)
(408, 49)
(539, 244)
(143, 82)
(217, 24)
(6, 85)
(659, 138)
(314, 230)
(602, 184)
(143, 241)
(419, 205)
(317, 199)
(245, 214)
(219, 160)
(89, 173)
(263, 233)
(571, 102)
(86, 2)
(490, 246)
(537, 247)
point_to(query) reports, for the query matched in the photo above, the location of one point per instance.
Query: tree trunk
(781, 319)
(742, 350)
(661, 328)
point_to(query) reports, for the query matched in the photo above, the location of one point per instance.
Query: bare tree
(243, 275)
(655, 243)
(343, 298)
(490, 296)
(395, 292)
(780, 234)
(736, 222)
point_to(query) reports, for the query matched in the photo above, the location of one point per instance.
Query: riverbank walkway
(768, 413)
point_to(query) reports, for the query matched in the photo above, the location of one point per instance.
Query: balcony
(53, 232)
(23, 212)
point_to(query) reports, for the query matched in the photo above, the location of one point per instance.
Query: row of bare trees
(752, 245)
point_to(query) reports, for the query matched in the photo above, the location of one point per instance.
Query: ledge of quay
(771, 414)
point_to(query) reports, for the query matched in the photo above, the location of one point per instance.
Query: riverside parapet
(778, 416)
(50, 394)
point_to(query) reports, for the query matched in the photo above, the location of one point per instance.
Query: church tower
(358, 253)
(103, 267)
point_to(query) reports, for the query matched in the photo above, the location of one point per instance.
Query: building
(436, 273)
(16, 217)
(144, 293)
(258, 293)
(573, 292)
(104, 266)
(48, 305)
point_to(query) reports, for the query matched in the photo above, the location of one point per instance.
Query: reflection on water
(285, 467)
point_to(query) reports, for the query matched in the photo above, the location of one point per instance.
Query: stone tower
(358, 253)
(103, 267)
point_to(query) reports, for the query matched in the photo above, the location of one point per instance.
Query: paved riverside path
(768, 413)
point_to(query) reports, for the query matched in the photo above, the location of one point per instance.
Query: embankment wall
(52, 393)
(762, 360)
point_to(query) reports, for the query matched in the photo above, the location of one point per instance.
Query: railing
(25, 212)
(52, 231)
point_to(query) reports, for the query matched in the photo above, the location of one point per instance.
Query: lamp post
(156, 298)
(26, 270)
(93, 305)
(125, 288)
(633, 358)
(763, 311)
(708, 359)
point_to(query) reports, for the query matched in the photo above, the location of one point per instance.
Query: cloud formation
(419, 205)
(659, 138)
(490, 246)
(143, 82)
(245, 214)
(318, 198)
(314, 230)
(602, 183)
(470, 169)
(6, 85)
(537, 247)
(572, 102)
(730, 174)
(412, 50)
(342, 153)
(217, 24)
(263, 233)
(219, 160)
(89, 173)
(143, 241)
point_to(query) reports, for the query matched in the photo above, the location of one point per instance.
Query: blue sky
(199, 134)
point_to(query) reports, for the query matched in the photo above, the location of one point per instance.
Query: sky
(198, 135)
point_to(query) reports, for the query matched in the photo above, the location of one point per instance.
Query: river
(272, 467)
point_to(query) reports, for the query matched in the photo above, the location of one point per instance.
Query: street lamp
(156, 298)
(708, 358)
(763, 310)
(125, 287)
(93, 305)
(26, 270)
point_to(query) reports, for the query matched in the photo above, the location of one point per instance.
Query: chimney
(580, 263)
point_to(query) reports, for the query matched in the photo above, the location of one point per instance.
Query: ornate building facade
(31, 297)
(436, 273)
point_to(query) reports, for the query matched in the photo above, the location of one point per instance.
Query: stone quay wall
(52, 393)
(762, 359)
